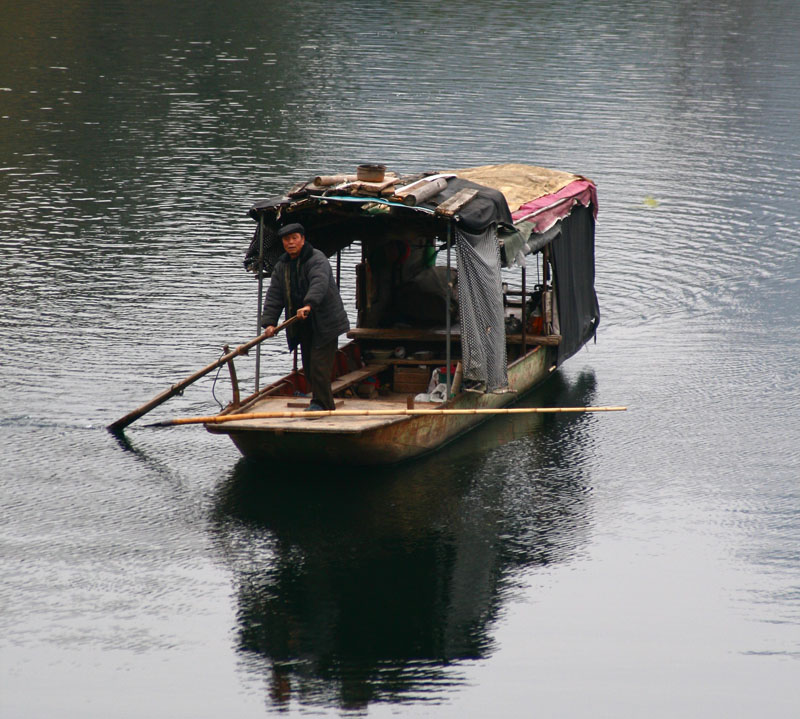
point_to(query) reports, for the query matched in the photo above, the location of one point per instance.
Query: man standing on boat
(302, 283)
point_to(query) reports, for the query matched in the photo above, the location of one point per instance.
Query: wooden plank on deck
(348, 380)
(437, 335)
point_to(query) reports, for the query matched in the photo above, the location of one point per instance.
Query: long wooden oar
(220, 418)
(123, 422)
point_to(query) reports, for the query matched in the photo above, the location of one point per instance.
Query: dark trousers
(318, 367)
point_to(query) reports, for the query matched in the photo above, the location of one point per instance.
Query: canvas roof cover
(506, 193)
(518, 183)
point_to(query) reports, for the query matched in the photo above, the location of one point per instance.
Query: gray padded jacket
(328, 318)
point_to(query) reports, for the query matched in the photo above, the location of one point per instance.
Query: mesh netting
(273, 249)
(483, 334)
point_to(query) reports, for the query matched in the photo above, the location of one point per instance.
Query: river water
(621, 565)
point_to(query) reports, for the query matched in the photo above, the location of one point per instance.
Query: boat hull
(395, 440)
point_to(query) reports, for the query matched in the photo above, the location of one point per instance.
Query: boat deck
(368, 439)
(321, 425)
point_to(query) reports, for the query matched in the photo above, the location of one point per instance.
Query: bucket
(536, 325)
(371, 173)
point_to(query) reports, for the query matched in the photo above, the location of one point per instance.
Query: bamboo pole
(400, 411)
(177, 388)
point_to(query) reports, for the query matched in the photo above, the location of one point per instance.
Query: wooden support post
(457, 377)
(234, 381)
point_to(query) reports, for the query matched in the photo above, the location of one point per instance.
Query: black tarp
(573, 266)
(487, 208)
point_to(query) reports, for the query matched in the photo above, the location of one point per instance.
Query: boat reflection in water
(356, 586)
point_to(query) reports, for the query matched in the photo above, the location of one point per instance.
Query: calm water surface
(626, 565)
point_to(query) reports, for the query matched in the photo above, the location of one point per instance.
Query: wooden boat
(476, 324)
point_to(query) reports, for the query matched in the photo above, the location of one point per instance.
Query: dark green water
(625, 565)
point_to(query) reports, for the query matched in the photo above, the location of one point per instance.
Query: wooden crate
(411, 380)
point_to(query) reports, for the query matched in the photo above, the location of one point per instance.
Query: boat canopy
(505, 195)
(493, 216)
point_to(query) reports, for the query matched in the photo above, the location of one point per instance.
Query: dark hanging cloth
(487, 209)
(573, 265)
(272, 250)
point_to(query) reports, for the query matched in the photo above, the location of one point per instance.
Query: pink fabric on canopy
(545, 211)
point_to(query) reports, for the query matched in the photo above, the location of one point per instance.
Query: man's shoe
(314, 407)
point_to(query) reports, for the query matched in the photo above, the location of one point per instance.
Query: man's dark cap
(290, 229)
